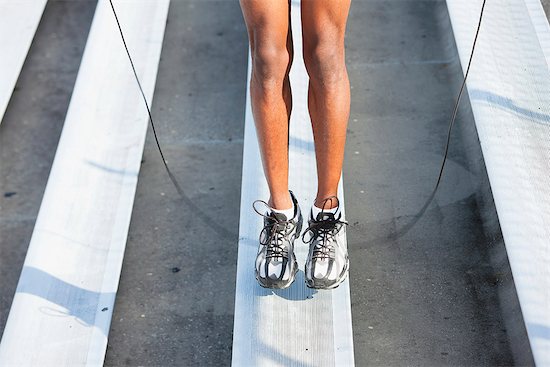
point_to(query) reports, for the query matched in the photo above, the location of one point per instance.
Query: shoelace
(274, 232)
(327, 229)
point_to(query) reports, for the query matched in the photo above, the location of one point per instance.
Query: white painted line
(509, 89)
(18, 22)
(296, 326)
(63, 305)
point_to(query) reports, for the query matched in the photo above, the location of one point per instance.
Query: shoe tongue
(278, 216)
(325, 216)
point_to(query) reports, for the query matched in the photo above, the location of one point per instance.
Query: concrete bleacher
(297, 325)
(64, 300)
(509, 90)
(18, 23)
(65, 297)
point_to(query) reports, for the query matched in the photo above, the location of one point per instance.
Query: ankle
(330, 203)
(281, 202)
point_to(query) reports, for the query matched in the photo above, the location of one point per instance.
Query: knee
(270, 64)
(325, 61)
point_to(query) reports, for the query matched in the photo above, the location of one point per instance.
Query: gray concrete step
(431, 295)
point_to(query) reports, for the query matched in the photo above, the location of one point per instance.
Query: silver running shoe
(276, 264)
(327, 262)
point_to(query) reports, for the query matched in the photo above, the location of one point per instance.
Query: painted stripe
(19, 20)
(63, 305)
(296, 326)
(509, 89)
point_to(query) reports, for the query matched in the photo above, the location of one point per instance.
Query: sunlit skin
(269, 33)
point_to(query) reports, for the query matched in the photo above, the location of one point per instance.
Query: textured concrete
(437, 293)
(30, 131)
(429, 296)
(427, 288)
(175, 301)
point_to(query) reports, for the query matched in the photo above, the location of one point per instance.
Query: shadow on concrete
(79, 303)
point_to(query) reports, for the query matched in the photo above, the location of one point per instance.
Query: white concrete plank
(19, 20)
(540, 23)
(63, 305)
(296, 326)
(509, 89)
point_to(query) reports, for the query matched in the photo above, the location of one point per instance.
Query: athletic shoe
(276, 264)
(327, 262)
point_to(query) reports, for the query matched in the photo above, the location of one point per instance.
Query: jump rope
(416, 217)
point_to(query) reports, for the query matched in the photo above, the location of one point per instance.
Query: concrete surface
(427, 294)
(175, 301)
(439, 293)
(30, 131)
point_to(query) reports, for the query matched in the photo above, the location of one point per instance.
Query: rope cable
(451, 123)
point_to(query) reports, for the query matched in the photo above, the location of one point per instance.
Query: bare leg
(323, 24)
(269, 33)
